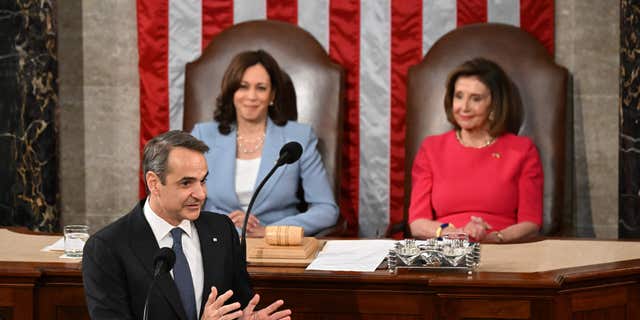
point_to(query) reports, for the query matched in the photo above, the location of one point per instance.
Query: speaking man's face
(184, 191)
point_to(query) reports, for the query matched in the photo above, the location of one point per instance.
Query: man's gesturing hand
(267, 313)
(215, 309)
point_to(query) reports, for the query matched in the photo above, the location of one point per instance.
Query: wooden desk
(51, 288)
(36, 284)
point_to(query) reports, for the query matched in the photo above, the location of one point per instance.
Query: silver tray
(439, 254)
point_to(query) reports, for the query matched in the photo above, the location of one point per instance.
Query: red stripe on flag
(283, 10)
(406, 50)
(537, 18)
(344, 49)
(153, 53)
(471, 11)
(217, 15)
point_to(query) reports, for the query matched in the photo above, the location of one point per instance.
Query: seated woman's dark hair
(225, 111)
(498, 83)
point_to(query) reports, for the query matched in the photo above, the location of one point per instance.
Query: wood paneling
(62, 302)
(6, 313)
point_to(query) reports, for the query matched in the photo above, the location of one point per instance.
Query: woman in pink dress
(477, 178)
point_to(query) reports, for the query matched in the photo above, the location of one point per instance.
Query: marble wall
(100, 121)
(28, 105)
(630, 119)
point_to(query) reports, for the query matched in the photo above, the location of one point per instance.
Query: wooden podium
(552, 279)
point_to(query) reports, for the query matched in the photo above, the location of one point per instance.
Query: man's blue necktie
(182, 276)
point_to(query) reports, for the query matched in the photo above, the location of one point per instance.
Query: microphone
(162, 263)
(289, 153)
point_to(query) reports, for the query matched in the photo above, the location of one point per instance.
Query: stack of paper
(352, 255)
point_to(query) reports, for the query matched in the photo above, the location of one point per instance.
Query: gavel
(284, 235)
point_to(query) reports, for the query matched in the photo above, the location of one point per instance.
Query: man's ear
(153, 181)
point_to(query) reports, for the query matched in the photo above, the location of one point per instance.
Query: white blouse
(246, 175)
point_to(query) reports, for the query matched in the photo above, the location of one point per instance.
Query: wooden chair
(316, 83)
(542, 112)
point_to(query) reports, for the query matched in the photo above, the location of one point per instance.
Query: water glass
(75, 236)
(455, 247)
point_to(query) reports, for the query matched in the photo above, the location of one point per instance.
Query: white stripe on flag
(438, 18)
(375, 113)
(313, 16)
(504, 11)
(245, 10)
(185, 39)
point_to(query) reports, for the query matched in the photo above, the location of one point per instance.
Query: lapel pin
(496, 155)
(215, 239)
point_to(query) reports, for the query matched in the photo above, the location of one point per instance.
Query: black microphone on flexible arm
(162, 263)
(289, 153)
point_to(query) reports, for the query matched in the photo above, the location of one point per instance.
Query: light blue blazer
(276, 202)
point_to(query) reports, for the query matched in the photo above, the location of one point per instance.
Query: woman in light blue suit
(245, 139)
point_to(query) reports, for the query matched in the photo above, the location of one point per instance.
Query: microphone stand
(165, 259)
(145, 314)
(243, 238)
(289, 153)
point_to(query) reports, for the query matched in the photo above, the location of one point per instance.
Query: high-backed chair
(542, 113)
(317, 82)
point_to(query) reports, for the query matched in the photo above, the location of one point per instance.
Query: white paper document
(352, 255)
(59, 246)
(56, 246)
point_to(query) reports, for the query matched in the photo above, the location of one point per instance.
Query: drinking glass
(75, 236)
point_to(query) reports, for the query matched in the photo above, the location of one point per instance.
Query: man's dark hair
(156, 152)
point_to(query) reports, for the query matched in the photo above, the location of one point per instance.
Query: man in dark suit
(118, 260)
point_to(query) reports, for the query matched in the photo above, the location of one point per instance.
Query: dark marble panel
(629, 226)
(28, 101)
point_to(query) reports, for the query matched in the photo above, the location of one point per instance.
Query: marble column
(99, 110)
(588, 44)
(28, 101)
(630, 119)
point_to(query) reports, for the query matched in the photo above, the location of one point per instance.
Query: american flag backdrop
(375, 41)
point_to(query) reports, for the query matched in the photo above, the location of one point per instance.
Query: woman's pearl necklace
(489, 141)
(242, 144)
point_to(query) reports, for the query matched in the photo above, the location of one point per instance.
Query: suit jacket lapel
(273, 142)
(144, 246)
